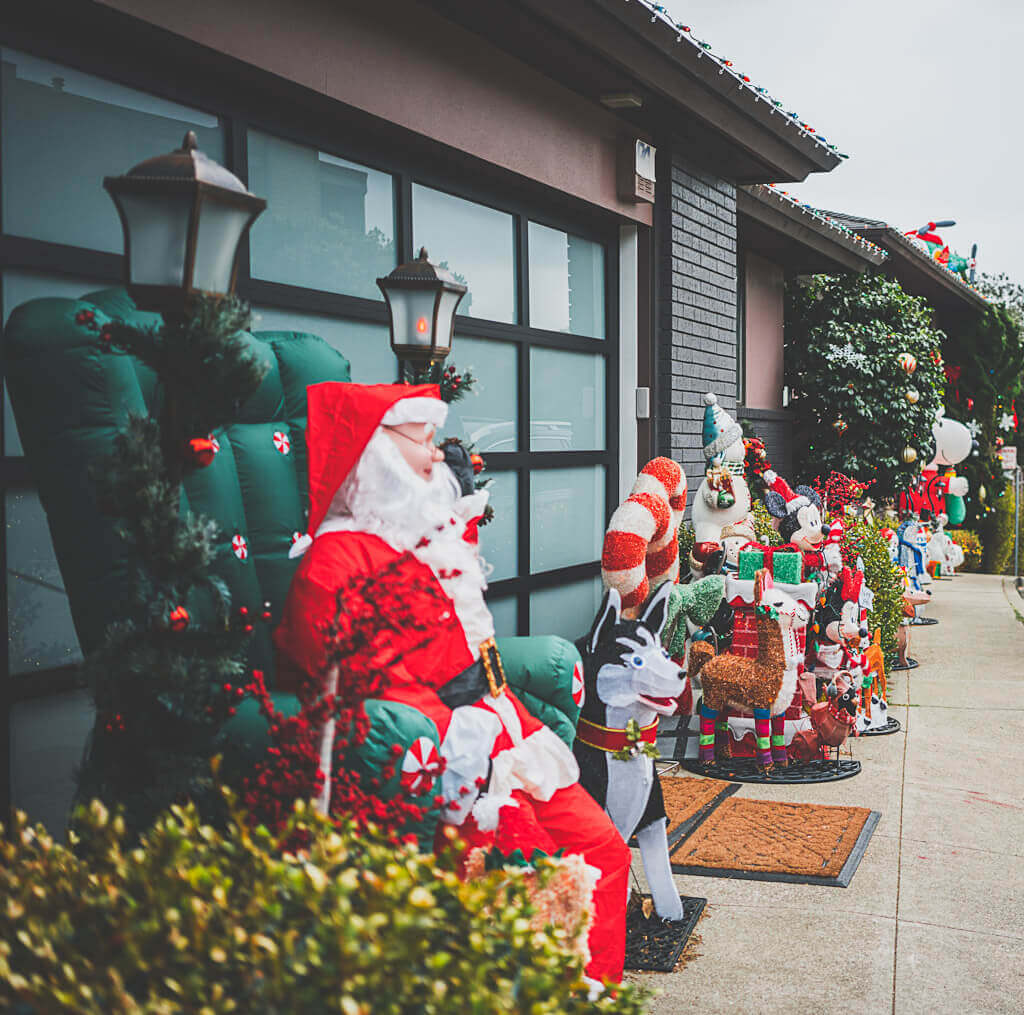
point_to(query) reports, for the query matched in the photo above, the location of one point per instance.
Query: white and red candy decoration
(641, 549)
(282, 442)
(578, 688)
(421, 764)
(240, 546)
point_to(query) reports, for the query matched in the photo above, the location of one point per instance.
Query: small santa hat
(785, 491)
(720, 429)
(341, 419)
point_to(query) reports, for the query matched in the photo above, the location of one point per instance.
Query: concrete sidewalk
(933, 921)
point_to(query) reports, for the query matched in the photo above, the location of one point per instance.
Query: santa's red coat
(570, 819)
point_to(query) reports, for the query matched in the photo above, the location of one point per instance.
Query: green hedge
(998, 553)
(968, 541)
(194, 919)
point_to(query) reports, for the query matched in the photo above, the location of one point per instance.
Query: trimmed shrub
(968, 541)
(686, 541)
(998, 552)
(862, 539)
(191, 918)
(763, 528)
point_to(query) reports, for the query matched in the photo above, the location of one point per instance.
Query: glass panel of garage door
(63, 131)
(566, 610)
(566, 516)
(567, 403)
(329, 223)
(566, 282)
(40, 632)
(475, 243)
(488, 416)
(367, 347)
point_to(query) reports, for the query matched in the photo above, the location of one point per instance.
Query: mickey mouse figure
(800, 522)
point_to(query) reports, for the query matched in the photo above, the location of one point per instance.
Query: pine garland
(164, 682)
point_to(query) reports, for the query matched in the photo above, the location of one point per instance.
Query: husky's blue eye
(664, 652)
(637, 662)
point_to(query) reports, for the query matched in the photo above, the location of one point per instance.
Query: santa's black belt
(485, 676)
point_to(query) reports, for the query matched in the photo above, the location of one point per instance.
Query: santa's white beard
(428, 518)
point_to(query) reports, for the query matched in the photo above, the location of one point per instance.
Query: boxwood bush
(195, 919)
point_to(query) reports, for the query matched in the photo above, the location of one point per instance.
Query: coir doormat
(688, 801)
(764, 840)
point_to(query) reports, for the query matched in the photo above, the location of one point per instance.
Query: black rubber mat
(924, 621)
(891, 726)
(912, 664)
(653, 944)
(748, 770)
(842, 880)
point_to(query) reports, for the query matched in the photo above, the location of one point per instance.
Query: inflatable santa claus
(379, 488)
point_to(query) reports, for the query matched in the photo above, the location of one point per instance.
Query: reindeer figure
(875, 705)
(629, 680)
(764, 685)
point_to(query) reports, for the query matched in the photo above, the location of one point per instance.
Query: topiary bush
(194, 919)
(686, 541)
(862, 539)
(968, 541)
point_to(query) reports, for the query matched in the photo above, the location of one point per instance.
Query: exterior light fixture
(622, 100)
(184, 217)
(421, 298)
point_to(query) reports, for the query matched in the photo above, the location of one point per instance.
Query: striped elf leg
(779, 754)
(762, 734)
(707, 733)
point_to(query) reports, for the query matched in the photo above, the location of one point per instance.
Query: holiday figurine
(942, 494)
(799, 516)
(723, 497)
(641, 545)
(629, 682)
(382, 497)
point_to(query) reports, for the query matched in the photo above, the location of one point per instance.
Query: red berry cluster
(838, 491)
(114, 723)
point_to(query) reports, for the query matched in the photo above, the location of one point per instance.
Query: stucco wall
(696, 318)
(404, 63)
(763, 332)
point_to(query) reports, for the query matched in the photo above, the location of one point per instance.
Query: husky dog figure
(630, 680)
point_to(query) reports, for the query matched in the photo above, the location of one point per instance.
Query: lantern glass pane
(412, 317)
(446, 316)
(220, 230)
(158, 227)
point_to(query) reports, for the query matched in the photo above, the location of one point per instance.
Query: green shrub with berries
(196, 919)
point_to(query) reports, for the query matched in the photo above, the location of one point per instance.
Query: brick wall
(696, 319)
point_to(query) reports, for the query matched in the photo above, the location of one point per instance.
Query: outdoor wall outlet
(643, 403)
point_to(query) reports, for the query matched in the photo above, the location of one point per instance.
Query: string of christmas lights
(683, 32)
(820, 216)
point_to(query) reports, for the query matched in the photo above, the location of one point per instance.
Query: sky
(924, 95)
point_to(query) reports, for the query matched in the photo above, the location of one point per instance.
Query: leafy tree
(856, 407)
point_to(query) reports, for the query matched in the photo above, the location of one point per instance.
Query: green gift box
(786, 568)
(751, 561)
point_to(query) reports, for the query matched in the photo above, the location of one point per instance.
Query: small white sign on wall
(636, 170)
(645, 160)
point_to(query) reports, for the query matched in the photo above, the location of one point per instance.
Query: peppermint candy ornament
(240, 546)
(282, 442)
(907, 361)
(421, 764)
(578, 689)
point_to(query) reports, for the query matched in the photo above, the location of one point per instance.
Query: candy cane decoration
(641, 548)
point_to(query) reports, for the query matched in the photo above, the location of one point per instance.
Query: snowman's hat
(720, 429)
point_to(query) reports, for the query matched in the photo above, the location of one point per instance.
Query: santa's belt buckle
(492, 663)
